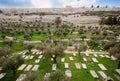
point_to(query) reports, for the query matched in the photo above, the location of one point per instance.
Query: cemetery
(60, 44)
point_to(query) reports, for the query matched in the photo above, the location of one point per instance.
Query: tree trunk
(54, 60)
(118, 67)
(14, 73)
(29, 50)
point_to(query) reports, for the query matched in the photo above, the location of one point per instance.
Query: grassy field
(15, 47)
(45, 66)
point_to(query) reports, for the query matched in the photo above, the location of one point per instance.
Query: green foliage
(12, 63)
(58, 76)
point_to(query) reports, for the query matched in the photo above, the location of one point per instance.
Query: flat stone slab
(22, 67)
(37, 60)
(28, 67)
(107, 56)
(95, 55)
(74, 54)
(54, 67)
(35, 68)
(68, 73)
(93, 73)
(33, 52)
(77, 65)
(113, 58)
(84, 59)
(86, 54)
(21, 77)
(94, 60)
(118, 71)
(62, 59)
(31, 57)
(104, 76)
(27, 57)
(66, 65)
(102, 67)
(2, 75)
(71, 58)
(40, 57)
(84, 66)
(102, 56)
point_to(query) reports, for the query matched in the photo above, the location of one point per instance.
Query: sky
(56, 3)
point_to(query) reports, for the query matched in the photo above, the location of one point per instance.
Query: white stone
(40, 57)
(33, 52)
(68, 73)
(104, 76)
(62, 59)
(77, 65)
(22, 67)
(37, 60)
(35, 68)
(102, 56)
(107, 56)
(86, 54)
(118, 71)
(102, 67)
(26, 57)
(2, 75)
(93, 73)
(84, 66)
(113, 58)
(74, 54)
(84, 59)
(54, 67)
(71, 58)
(66, 65)
(28, 67)
(31, 57)
(94, 60)
(21, 77)
(95, 55)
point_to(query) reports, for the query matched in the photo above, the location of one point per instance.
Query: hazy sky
(56, 3)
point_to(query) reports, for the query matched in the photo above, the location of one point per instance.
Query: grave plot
(66, 65)
(84, 59)
(54, 67)
(71, 58)
(28, 67)
(68, 73)
(84, 66)
(77, 65)
(104, 76)
(2, 75)
(94, 74)
(94, 60)
(35, 67)
(62, 59)
(102, 67)
(22, 67)
(21, 77)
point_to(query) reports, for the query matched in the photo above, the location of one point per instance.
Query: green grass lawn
(15, 47)
(45, 66)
